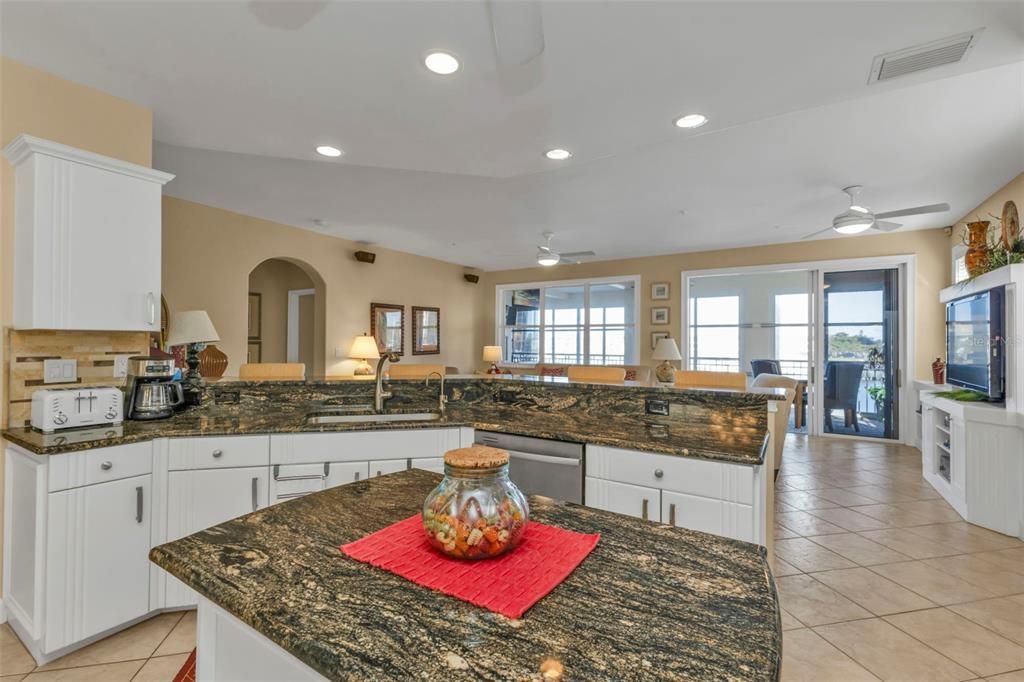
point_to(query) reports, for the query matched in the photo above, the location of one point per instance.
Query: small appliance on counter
(151, 391)
(68, 408)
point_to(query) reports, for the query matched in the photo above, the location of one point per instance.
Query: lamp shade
(190, 326)
(364, 348)
(492, 353)
(666, 350)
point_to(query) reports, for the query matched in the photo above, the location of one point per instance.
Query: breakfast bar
(650, 602)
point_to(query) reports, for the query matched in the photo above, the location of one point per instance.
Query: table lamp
(668, 352)
(364, 348)
(492, 354)
(191, 328)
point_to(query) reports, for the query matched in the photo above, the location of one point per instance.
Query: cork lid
(476, 457)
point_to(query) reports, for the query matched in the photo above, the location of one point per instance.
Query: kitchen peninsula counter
(724, 426)
(651, 601)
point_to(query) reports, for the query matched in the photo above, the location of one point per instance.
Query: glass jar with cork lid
(476, 512)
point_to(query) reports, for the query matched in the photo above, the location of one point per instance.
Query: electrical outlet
(120, 366)
(60, 371)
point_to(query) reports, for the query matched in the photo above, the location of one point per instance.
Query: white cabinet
(354, 446)
(435, 464)
(77, 215)
(98, 541)
(713, 497)
(288, 481)
(381, 467)
(623, 498)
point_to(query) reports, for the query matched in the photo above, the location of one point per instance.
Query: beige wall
(993, 206)
(933, 272)
(273, 279)
(208, 254)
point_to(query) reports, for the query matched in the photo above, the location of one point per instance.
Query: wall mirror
(387, 326)
(426, 330)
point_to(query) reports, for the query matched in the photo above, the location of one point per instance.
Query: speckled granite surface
(719, 425)
(651, 602)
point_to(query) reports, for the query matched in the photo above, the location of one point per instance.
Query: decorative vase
(939, 371)
(977, 247)
(665, 372)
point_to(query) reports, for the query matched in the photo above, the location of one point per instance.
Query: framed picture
(255, 353)
(426, 330)
(657, 336)
(387, 326)
(660, 291)
(255, 315)
(659, 315)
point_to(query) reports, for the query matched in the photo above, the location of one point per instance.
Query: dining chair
(841, 385)
(780, 416)
(765, 367)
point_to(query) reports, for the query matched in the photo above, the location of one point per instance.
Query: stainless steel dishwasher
(540, 466)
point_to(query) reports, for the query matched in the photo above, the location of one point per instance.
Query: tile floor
(879, 578)
(152, 651)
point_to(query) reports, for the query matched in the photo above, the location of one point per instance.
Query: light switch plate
(60, 371)
(120, 366)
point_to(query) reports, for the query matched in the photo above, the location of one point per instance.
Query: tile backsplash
(94, 351)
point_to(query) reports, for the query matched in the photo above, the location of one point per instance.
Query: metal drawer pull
(643, 511)
(545, 459)
(138, 504)
(671, 515)
(357, 477)
(288, 496)
(217, 453)
(255, 493)
(301, 477)
(106, 466)
(658, 473)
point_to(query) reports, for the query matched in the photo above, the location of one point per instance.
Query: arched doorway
(286, 314)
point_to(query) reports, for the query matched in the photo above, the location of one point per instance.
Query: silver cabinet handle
(658, 473)
(357, 477)
(151, 300)
(138, 504)
(288, 496)
(545, 459)
(643, 510)
(255, 493)
(106, 466)
(672, 515)
(302, 477)
(217, 453)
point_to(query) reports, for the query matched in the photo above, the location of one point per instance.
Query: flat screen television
(975, 348)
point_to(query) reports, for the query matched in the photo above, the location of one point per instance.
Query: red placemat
(509, 584)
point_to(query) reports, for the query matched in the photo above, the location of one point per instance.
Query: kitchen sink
(370, 417)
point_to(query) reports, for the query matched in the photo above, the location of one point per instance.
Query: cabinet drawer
(709, 516)
(381, 467)
(354, 446)
(718, 480)
(75, 469)
(623, 498)
(218, 452)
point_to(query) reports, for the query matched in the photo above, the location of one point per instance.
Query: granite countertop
(651, 601)
(704, 439)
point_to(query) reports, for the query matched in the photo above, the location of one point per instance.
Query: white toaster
(67, 408)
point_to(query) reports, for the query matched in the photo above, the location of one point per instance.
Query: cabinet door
(112, 215)
(624, 498)
(708, 515)
(197, 500)
(341, 473)
(435, 464)
(380, 467)
(98, 545)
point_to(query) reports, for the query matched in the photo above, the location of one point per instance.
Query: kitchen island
(651, 601)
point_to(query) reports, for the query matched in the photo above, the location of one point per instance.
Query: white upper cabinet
(87, 239)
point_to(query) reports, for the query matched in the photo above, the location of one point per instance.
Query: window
(715, 333)
(576, 323)
(960, 263)
(791, 333)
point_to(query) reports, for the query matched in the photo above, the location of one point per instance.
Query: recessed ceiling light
(441, 63)
(558, 154)
(327, 150)
(691, 121)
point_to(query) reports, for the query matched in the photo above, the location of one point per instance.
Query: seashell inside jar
(476, 512)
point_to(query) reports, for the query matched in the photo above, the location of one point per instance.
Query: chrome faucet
(379, 394)
(442, 399)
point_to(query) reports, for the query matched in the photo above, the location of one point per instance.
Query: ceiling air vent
(921, 57)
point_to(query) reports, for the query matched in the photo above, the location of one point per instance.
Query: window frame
(543, 329)
(693, 356)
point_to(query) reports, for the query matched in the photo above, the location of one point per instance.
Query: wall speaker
(471, 278)
(365, 256)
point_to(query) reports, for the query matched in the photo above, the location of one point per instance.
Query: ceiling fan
(548, 257)
(858, 217)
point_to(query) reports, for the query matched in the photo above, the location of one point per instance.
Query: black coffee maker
(151, 391)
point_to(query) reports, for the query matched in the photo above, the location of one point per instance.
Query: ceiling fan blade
(916, 210)
(815, 234)
(886, 226)
(576, 254)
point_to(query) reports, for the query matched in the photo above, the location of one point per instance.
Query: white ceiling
(453, 167)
